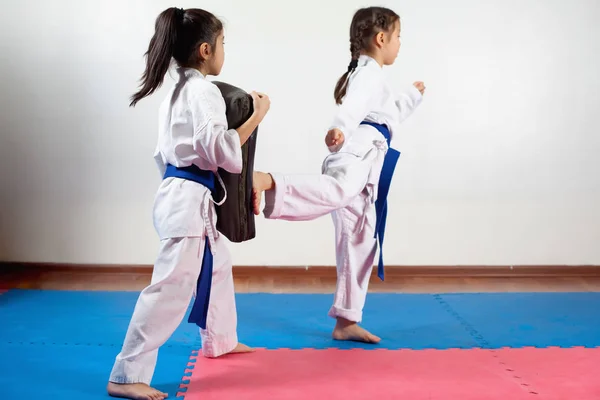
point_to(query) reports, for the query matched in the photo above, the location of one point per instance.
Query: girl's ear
(205, 51)
(379, 39)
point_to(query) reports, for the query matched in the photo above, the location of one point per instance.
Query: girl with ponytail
(194, 141)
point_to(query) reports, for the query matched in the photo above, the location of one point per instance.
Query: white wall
(500, 164)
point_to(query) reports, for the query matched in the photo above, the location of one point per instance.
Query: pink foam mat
(557, 373)
(505, 374)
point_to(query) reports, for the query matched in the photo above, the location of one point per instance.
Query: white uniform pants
(162, 306)
(347, 189)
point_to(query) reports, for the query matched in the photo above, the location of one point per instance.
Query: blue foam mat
(415, 321)
(74, 318)
(297, 321)
(75, 372)
(530, 319)
(264, 320)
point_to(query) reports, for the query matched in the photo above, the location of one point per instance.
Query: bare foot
(260, 183)
(351, 331)
(134, 391)
(241, 348)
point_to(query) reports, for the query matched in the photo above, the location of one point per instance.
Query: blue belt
(200, 308)
(385, 180)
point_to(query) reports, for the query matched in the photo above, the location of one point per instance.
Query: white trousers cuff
(350, 315)
(216, 346)
(137, 371)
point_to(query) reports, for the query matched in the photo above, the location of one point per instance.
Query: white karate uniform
(348, 186)
(192, 130)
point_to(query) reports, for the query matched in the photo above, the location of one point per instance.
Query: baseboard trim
(392, 271)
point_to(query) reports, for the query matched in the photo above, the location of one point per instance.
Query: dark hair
(366, 23)
(178, 35)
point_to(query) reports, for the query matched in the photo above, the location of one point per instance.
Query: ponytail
(178, 35)
(159, 53)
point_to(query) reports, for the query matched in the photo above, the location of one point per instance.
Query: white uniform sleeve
(215, 143)
(407, 102)
(356, 104)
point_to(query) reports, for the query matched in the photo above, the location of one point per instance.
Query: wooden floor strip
(318, 279)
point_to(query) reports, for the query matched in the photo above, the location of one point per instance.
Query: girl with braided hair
(356, 175)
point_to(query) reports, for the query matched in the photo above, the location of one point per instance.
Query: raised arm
(212, 140)
(408, 101)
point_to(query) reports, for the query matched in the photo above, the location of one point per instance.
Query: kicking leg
(303, 197)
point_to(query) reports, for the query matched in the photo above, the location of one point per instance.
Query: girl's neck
(203, 70)
(377, 57)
